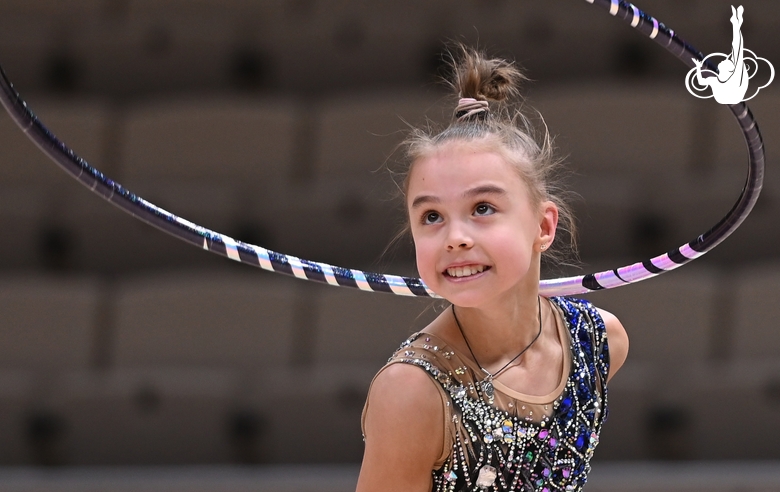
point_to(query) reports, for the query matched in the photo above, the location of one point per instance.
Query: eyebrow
(423, 199)
(479, 190)
(484, 190)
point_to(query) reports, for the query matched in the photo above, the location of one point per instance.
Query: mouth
(465, 271)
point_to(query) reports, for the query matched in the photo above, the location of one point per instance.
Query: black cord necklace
(487, 383)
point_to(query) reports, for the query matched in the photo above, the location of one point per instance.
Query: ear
(548, 224)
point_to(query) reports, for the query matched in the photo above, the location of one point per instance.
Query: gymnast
(505, 389)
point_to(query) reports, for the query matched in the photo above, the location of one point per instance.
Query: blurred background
(275, 121)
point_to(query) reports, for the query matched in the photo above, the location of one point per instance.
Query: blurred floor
(632, 477)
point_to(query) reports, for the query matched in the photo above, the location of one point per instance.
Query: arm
(699, 78)
(404, 431)
(618, 342)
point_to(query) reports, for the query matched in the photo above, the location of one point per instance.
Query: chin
(463, 302)
(466, 298)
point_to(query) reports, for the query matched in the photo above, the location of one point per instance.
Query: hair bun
(485, 79)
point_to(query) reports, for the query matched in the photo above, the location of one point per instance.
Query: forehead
(456, 167)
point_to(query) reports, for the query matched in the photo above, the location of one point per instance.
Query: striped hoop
(406, 286)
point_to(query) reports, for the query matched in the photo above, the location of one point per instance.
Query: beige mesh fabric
(462, 370)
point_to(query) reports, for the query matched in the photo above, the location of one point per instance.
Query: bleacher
(144, 341)
(277, 123)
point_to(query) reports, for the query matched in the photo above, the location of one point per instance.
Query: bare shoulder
(404, 387)
(618, 341)
(403, 404)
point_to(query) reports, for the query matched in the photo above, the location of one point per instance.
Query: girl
(505, 390)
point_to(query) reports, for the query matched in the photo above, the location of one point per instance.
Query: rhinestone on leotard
(530, 447)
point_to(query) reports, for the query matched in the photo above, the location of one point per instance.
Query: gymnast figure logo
(730, 84)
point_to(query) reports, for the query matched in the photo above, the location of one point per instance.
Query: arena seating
(755, 313)
(49, 323)
(241, 141)
(276, 123)
(617, 130)
(743, 390)
(354, 334)
(23, 212)
(669, 320)
(609, 136)
(19, 424)
(760, 231)
(152, 415)
(282, 400)
(34, 192)
(359, 327)
(357, 134)
(207, 162)
(211, 320)
(82, 123)
(347, 188)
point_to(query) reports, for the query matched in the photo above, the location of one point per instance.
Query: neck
(497, 333)
(499, 329)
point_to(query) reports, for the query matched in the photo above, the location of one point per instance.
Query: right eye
(431, 218)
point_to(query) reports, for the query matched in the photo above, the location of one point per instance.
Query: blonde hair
(502, 128)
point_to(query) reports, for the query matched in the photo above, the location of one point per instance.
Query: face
(477, 235)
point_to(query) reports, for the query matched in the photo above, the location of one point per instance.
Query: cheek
(425, 256)
(513, 248)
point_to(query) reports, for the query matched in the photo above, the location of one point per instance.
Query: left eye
(484, 209)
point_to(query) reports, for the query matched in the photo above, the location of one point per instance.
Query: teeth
(465, 271)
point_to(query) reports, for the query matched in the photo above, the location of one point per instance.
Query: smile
(466, 271)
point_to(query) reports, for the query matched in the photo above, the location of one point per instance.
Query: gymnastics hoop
(269, 260)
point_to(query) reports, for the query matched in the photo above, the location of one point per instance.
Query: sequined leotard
(512, 441)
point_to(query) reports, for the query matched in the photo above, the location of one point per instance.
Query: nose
(458, 237)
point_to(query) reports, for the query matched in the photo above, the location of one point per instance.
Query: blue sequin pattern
(495, 450)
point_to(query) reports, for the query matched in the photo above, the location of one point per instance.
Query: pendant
(487, 387)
